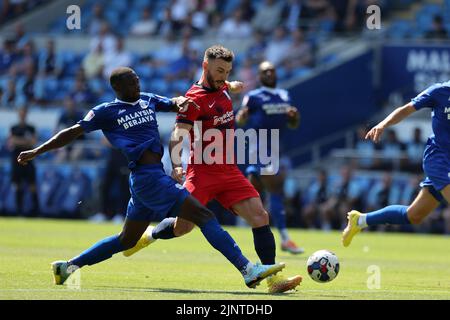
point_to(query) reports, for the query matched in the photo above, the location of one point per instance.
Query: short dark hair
(219, 52)
(117, 75)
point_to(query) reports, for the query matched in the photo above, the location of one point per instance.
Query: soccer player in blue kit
(270, 108)
(436, 165)
(129, 123)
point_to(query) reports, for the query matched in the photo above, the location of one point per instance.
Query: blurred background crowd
(51, 75)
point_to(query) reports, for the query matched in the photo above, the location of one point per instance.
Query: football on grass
(323, 266)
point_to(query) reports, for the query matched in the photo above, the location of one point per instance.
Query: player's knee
(415, 216)
(182, 228)
(259, 218)
(415, 219)
(128, 242)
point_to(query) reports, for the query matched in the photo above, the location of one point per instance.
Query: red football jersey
(216, 112)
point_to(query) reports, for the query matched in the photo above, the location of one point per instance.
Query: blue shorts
(436, 165)
(154, 195)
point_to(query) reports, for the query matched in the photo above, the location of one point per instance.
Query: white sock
(284, 235)
(362, 221)
(247, 268)
(149, 234)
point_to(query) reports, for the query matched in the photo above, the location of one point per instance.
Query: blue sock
(388, 215)
(264, 244)
(278, 214)
(164, 229)
(223, 242)
(99, 252)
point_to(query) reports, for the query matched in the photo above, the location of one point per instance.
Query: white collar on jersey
(132, 103)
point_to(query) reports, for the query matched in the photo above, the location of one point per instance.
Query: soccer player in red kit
(223, 182)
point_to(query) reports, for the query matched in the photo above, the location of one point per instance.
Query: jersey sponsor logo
(121, 111)
(89, 116)
(211, 105)
(275, 108)
(136, 118)
(447, 110)
(225, 118)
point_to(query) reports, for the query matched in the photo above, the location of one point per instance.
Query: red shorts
(224, 183)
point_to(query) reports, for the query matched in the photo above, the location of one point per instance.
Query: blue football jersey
(437, 98)
(267, 108)
(130, 127)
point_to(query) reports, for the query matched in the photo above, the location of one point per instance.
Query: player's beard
(214, 85)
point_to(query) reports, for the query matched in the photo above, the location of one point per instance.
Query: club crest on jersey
(143, 104)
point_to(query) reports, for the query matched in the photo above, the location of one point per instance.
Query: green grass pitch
(410, 266)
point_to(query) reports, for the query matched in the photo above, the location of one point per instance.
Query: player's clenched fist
(178, 174)
(26, 156)
(375, 133)
(182, 103)
(235, 86)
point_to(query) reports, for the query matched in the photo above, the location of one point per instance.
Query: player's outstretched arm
(395, 117)
(242, 116)
(180, 131)
(61, 139)
(181, 104)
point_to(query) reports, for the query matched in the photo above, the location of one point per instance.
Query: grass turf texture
(411, 266)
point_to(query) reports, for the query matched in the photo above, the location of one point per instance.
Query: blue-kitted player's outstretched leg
(421, 207)
(102, 250)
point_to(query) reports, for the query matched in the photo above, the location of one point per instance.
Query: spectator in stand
(317, 195)
(94, 62)
(105, 39)
(277, 47)
(69, 117)
(414, 151)
(248, 11)
(20, 37)
(200, 18)
(97, 20)
(383, 193)
(118, 58)
(146, 26)
(299, 53)
(10, 96)
(292, 13)
(184, 66)
(23, 137)
(49, 63)
(166, 24)
(438, 31)
(345, 194)
(180, 10)
(257, 49)
(365, 150)
(8, 56)
(169, 50)
(268, 16)
(26, 85)
(235, 27)
(82, 95)
(392, 151)
(27, 59)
